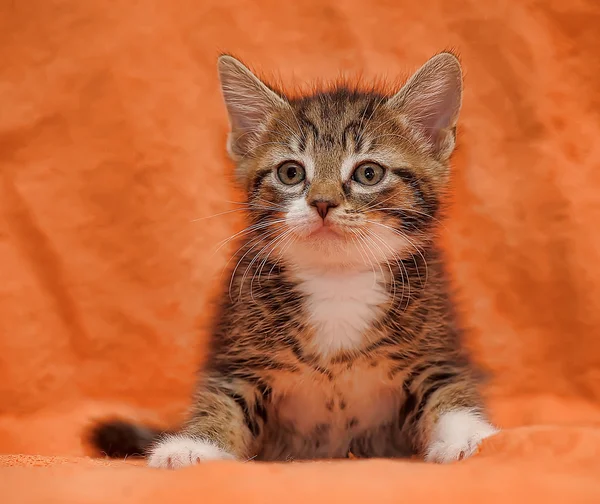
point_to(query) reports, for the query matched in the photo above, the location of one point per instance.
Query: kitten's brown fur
(277, 385)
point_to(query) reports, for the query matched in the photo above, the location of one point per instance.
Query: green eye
(291, 173)
(368, 174)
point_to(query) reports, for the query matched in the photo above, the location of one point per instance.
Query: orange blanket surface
(112, 136)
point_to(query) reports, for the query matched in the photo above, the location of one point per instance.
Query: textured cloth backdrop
(112, 136)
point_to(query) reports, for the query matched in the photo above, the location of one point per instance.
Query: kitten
(336, 333)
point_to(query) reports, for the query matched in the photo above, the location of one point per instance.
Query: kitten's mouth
(326, 230)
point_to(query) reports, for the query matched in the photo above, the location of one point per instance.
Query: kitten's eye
(368, 174)
(291, 173)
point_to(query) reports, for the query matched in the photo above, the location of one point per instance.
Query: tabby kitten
(336, 333)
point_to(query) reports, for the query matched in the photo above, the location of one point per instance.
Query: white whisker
(413, 244)
(365, 246)
(249, 229)
(218, 214)
(256, 243)
(291, 239)
(260, 267)
(366, 237)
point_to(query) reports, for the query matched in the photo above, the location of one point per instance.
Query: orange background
(112, 135)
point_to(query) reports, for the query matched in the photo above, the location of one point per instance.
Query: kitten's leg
(226, 423)
(443, 414)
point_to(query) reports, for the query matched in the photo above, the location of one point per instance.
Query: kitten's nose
(323, 206)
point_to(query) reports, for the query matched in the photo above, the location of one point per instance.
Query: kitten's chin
(326, 233)
(318, 233)
(326, 250)
(334, 246)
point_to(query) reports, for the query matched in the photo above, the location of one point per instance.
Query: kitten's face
(341, 178)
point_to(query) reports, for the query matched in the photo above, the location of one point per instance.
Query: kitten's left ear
(249, 104)
(431, 101)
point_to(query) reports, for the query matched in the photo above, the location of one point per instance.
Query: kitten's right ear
(431, 101)
(249, 104)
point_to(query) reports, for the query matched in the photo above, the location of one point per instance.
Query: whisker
(359, 245)
(402, 269)
(369, 206)
(217, 214)
(411, 210)
(270, 204)
(417, 249)
(361, 239)
(251, 204)
(249, 229)
(394, 256)
(272, 243)
(367, 237)
(249, 266)
(261, 265)
(258, 240)
(291, 239)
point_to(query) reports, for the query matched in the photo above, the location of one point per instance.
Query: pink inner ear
(433, 104)
(247, 105)
(440, 114)
(249, 102)
(248, 115)
(431, 99)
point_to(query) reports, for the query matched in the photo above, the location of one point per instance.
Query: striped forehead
(332, 131)
(335, 120)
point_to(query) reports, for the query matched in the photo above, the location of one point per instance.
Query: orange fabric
(500, 471)
(112, 138)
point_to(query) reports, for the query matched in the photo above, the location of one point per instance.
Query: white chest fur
(341, 307)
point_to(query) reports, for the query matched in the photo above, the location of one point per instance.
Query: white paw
(457, 435)
(175, 452)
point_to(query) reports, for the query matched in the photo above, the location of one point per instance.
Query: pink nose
(323, 207)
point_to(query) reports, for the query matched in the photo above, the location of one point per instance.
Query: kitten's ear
(431, 101)
(249, 104)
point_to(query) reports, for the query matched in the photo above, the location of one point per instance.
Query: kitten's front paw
(175, 452)
(457, 435)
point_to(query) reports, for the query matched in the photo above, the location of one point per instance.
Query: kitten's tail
(120, 439)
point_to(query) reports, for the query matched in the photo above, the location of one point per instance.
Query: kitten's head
(343, 178)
